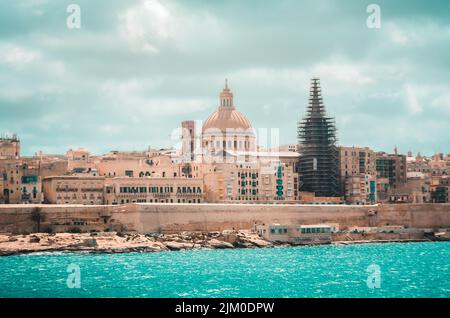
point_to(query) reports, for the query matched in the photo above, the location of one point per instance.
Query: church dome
(226, 117)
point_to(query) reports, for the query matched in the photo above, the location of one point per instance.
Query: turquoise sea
(398, 270)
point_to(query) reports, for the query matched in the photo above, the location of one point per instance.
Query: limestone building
(153, 190)
(393, 168)
(358, 174)
(20, 182)
(9, 147)
(251, 183)
(84, 190)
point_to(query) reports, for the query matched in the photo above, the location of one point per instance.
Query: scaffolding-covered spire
(318, 163)
(315, 107)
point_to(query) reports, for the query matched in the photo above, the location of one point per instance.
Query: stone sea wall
(173, 218)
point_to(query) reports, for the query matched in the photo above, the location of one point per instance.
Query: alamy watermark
(74, 277)
(374, 19)
(374, 276)
(73, 20)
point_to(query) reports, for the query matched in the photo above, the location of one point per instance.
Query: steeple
(316, 107)
(226, 97)
(319, 161)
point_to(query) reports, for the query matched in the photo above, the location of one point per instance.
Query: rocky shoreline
(112, 242)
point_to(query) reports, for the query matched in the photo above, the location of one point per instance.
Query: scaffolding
(318, 164)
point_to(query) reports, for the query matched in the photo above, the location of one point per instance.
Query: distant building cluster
(221, 162)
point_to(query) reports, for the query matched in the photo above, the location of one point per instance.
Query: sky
(134, 70)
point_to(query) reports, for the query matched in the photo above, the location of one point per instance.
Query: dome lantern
(226, 97)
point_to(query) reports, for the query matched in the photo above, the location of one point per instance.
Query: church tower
(319, 162)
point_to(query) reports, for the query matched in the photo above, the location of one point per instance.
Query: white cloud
(412, 99)
(408, 34)
(135, 97)
(338, 74)
(442, 101)
(399, 37)
(344, 72)
(151, 24)
(109, 130)
(147, 24)
(17, 56)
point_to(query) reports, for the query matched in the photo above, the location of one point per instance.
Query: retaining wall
(148, 217)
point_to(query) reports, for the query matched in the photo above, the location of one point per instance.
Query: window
(129, 173)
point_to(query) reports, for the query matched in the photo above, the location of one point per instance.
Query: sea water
(367, 270)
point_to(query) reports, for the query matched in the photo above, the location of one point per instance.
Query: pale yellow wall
(74, 190)
(211, 217)
(169, 193)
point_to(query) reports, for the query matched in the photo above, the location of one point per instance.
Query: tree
(38, 217)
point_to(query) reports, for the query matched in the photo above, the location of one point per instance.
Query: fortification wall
(217, 217)
(415, 215)
(146, 218)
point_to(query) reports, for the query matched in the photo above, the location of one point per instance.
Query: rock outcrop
(112, 242)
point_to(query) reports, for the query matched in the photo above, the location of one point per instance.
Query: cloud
(399, 36)
(349, 73)
(145, 25)
(412, 100)
(152, 24)
(442, 102)
(136, 97)
(136, 69)
(16, 56)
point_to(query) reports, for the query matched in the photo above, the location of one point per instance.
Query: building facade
(153, 190)
(358, 175)
(9, 147)
(390, 167)
(252, 183)
(21, 183)
(84, 190)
